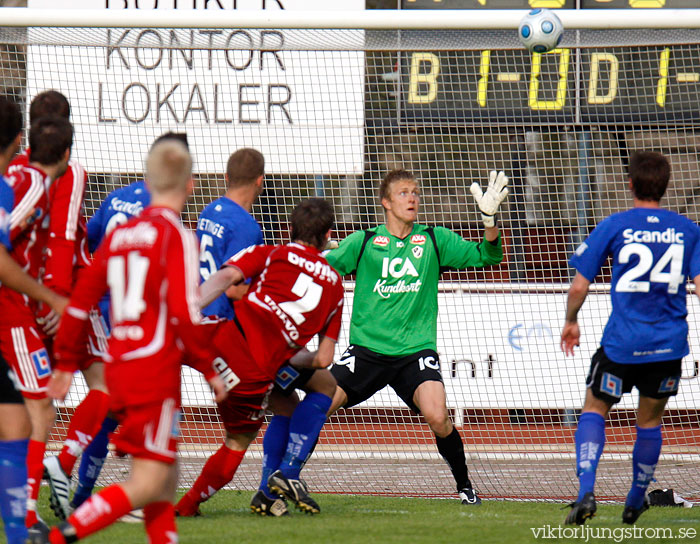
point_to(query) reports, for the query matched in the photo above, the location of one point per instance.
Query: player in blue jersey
(226, 226)
(15, 427)
(654, 251)
(120, 205)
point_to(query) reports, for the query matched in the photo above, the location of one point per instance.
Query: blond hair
(168, 166)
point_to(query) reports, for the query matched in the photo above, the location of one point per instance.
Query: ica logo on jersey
(397, 268)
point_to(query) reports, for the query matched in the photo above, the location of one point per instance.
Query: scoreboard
(636, 84)
(551, 4)
(632, 84)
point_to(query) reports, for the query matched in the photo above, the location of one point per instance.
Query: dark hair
(244, 167)
(179, 136)
(650, 173)
(48, 104)
(392, 177)
(10, 122)
(49, 137)
(311, 220)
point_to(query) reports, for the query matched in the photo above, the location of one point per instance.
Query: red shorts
(243, 410)
(244, 413)
(149, 431)
(24, 350)
(96, 345)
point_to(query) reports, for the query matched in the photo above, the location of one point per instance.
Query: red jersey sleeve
(30, 199)
(251, 260)
(183, 284)
(65, 216)
(72, 333)
(335, 319)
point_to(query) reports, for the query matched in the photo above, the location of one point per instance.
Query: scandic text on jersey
(669, 236)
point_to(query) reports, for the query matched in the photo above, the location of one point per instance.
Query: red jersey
(150, 265)
(29, 223)
(295, 294)
(67, 243)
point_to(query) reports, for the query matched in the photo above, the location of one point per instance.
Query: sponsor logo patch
(418, 239)
(612, 385)
(669, 385)
(41, 361)
(285, 376)
(381, 241)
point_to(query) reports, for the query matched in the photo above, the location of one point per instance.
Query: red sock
(217, 472)
(35, 471)
(160, 523)
(56, 536)
(99, 511)
(84, 425)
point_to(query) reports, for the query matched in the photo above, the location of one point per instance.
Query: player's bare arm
(218, 387)
(696, 282)
(571, 334)
(321, 358)
(218, 283)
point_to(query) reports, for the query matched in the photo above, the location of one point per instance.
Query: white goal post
(340, 19)
(334, 100)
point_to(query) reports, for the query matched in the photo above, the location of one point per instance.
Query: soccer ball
(540, 30)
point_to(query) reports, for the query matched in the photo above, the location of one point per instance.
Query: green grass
(364, 519)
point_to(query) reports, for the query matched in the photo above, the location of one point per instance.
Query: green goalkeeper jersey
(395, 302)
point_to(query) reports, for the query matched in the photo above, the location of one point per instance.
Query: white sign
(303, 109)
(502, 351)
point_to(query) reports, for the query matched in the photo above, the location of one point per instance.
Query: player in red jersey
(15, 427)
(66, 254)
(21, 343)
(150, 266)
(294, 295)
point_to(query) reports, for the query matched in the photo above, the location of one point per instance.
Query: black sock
(452, 451)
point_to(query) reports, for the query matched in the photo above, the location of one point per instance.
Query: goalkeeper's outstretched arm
(489, 201)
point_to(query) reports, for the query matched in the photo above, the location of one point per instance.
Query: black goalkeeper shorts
(361, 373)
(8, 392)
(609, 380)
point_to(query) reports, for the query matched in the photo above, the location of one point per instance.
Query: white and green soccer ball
(540, 30)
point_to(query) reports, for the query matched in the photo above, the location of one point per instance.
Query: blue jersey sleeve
(590, 256)
(247, 235)
(7, 198)
(95, 228)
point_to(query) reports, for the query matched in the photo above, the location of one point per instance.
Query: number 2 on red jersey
(310, 294)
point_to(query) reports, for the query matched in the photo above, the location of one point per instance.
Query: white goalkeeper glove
(488, 202)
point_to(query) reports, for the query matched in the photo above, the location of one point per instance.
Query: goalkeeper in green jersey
(393, 329)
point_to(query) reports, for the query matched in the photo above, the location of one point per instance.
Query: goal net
(334, 110)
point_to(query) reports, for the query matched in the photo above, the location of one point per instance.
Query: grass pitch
(348, 519)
